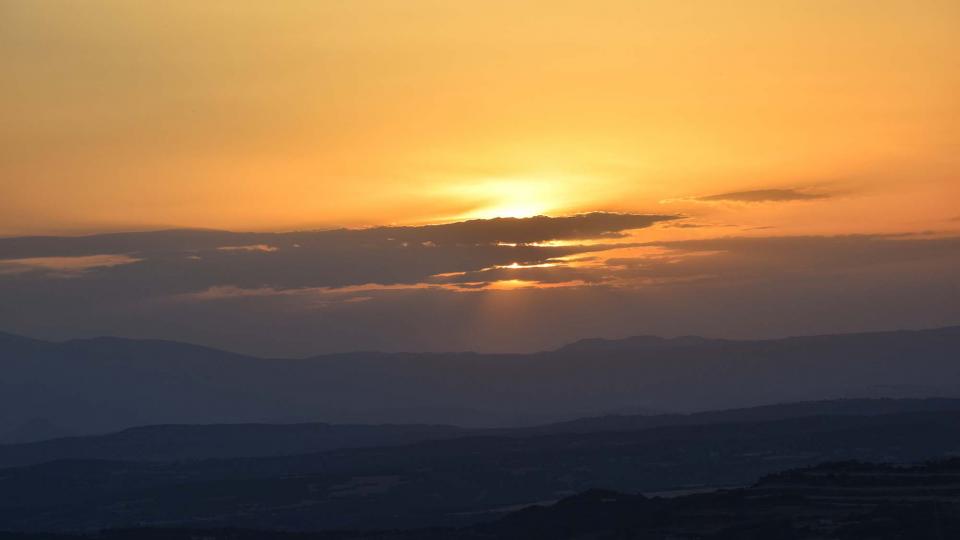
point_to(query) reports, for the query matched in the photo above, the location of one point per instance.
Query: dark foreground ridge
(832, 501)
(449, 483)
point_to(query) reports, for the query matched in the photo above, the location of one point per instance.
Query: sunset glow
(507, 197)
(479, 269)
(250, 115)
(642, 163)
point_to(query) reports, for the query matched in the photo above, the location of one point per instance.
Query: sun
(520, 209)
(507, 198)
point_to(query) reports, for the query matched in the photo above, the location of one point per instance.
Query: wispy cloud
(764, 195)
(63, 266)
(209, 265)
(253, 247)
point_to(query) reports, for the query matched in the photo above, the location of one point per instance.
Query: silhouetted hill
(13, 344)
(635, 343)
(833, 501)
(838, 500)
(35, 429)
(780, 411)
(106, 384)
(185, 442)
(452, 482)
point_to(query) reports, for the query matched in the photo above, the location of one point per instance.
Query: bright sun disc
(511, 210)
(511, 198)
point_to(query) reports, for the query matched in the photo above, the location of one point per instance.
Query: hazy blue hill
(186, 442)
(634, 343)
(781, 411)
(203, 441)
(35, 429)
(107, 384)
(13, 344)
(450, 482)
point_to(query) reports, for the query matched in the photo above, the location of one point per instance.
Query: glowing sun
(508, 197)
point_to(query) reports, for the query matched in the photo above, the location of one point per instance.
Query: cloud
(543, 274)
(527, 230)
(210, 265)
(773, 257)
(466, 233)
(62, 266)
(341, 293)
(763, 195)
(686, 225)
(448, 297)
(442, 286)
(254, 247)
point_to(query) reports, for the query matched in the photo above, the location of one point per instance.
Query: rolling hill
(181, 442)
(106, 384)
(449, 483)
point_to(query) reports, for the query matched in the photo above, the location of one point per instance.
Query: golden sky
(312, 114)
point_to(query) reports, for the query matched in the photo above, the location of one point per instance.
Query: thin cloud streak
(763, 196)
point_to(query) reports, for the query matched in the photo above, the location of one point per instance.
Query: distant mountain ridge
(636, 342)
(690, 341)
(762, 413)
(193, 442)
(106, 384)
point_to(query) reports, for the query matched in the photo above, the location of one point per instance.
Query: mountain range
(181, 442)
(107, 384)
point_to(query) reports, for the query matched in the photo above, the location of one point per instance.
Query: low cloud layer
(478, 285)
(180, 262)
(465, 233)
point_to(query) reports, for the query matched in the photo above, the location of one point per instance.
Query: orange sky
(282, 115)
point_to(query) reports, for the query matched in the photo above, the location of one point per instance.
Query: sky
(741, 168)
